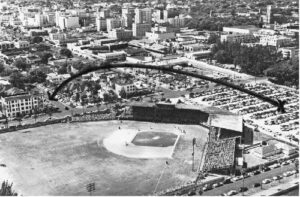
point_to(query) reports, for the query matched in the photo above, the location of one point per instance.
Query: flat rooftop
(251, 27)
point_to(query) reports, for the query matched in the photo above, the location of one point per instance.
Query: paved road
(249, 182)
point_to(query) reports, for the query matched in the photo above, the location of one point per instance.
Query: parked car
(285, 163)
(232, 192)
(275, 178)
(236, 178)
(192, 193)
(288, 173)
(243, 189)
(216, 185)
(277, 165)
(266, 181)
(256, 185)
(227, 181)
(294, 171)
(266, 169)
(207, 187)
(256, 172)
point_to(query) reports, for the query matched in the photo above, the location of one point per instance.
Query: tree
(63, 69)
(19, 118)
(6, 121)
(83, 102)
(21, 64)
(122, 93)
(37, 39)
(213, 38)
(45, 57)
(35, 114)
(66, 53)
(2, 68)
(49, 111)
(17, 80)
(37, 76)
(6, 189)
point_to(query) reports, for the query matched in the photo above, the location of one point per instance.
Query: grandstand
(171, 113)
(226, 130)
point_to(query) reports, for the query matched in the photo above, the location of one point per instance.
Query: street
(250, 181)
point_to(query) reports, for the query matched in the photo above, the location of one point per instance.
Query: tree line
(258, 61)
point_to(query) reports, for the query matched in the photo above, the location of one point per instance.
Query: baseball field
(121, 158)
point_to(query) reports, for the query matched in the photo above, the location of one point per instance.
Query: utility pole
(193, 154)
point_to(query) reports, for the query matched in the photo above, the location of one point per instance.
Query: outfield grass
(61, 159)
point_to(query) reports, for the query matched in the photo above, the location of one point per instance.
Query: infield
(156, 139)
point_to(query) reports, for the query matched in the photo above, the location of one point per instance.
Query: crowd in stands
(220, 154)
(93, 117)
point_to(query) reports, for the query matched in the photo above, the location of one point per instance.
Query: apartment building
(101, 24)
(11, 106)
(277, 41)
(129, 87)
(120, 34)
(241, 38)
(143, 15)
(113, 23)
(68, 22)
(139, 30)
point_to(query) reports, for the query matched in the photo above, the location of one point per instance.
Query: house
(129, 87)
(57, 78)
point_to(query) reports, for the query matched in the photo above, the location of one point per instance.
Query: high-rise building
(120, 34)
(127, 20)
(139, 30)
(269, 16)
(113, 23)
(104, 13)
(143, 15)
(128, 10)
(101, 24)
(68, 22)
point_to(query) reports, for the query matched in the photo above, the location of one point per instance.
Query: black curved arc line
(279, 104)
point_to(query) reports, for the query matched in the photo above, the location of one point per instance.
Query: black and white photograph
(149, 98)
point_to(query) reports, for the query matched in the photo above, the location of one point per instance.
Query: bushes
(6, 189)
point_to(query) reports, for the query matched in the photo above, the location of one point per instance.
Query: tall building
(68, 22)
(101, 24)
(120, 34)
(269, 16)
(178, 21)
(113, 23)
(143, 15)
(129, 10)
(139, 30)
(127, 20)
(104, 13)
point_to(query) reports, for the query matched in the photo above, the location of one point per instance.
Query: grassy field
(61, 159)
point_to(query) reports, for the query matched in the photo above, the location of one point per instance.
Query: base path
(119, 142)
